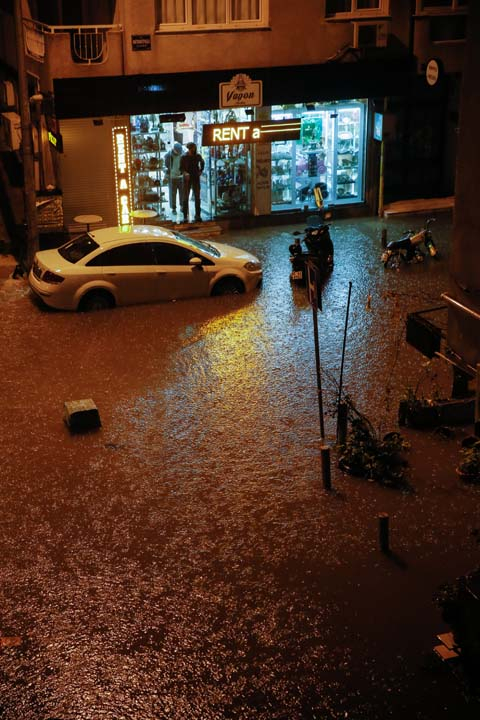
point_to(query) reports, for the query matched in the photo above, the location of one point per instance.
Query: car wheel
(96, 300)
(228, 286)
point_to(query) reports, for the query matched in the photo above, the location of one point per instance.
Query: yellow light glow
(123, 178)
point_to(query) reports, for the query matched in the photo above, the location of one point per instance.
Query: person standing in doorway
(192, 165)
(175, 176)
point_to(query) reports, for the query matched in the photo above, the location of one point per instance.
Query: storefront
(329, 153)
(334, 149)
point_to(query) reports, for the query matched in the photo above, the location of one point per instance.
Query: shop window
(357, 8)
(210, 14)
(448, 29)
(328, 157)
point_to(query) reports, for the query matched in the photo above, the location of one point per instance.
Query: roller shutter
(87, 168)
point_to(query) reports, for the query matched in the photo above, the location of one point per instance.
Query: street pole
(29, 194)
(319, 374)
(477, 402)
(341, 408)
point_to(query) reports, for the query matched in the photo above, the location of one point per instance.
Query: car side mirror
(195, 261)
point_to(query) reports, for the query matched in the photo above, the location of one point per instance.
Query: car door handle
(112, 274)
(161, 273)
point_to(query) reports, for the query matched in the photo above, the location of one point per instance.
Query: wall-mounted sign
(123, 178)
(236, 133)
(378, 126)
(241, 91)
(432, 72)
(56, 140)
(141, 42)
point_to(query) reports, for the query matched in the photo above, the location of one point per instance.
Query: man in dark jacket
(192, 165)
(174, 175)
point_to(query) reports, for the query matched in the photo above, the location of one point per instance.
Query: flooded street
(184, 561)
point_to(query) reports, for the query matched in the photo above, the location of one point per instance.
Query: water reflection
(183, 562)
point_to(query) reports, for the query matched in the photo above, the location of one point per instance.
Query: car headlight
(252, 266)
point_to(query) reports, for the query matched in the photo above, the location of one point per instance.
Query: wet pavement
(184, 562)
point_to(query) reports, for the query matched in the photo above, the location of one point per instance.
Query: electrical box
(12, 129)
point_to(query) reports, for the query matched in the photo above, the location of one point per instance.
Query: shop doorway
(225, 185)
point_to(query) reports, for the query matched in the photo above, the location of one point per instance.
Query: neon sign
(251, 132)
(123, 178)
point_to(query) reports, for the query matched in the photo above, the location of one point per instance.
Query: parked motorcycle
(319, 249)
(408, 250)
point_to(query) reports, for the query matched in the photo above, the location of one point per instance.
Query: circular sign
(432, 72)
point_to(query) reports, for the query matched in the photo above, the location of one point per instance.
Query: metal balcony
(89, 44)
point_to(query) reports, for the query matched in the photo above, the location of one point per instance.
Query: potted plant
(469, 467)
(459, 602)
(417, 412)
(368, 454)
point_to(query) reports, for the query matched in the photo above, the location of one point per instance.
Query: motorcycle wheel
(393, 261)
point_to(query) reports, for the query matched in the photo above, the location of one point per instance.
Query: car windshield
(197, 245)
(78, 248)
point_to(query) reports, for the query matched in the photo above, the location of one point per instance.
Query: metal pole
(383, 532)
(340, 384)
(477, 402)
(319, 378)
(326, 473)
(381, 183)
(29, 194)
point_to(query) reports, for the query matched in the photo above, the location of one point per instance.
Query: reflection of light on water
(184, 556)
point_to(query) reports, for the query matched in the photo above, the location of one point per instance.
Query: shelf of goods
(149, 178)
(347, 159)
(230, 183)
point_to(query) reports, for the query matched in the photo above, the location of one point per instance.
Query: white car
(139, 264)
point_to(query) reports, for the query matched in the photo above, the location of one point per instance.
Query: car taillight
(52, 278)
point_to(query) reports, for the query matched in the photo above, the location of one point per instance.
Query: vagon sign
(251, 132)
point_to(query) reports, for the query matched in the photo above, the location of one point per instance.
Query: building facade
(370, 87)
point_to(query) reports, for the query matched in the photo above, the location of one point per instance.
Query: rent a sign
(241, 91)
(236, 133)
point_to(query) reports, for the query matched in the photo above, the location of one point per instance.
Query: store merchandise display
(148, 147)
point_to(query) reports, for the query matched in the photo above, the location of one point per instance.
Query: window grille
(89, 46)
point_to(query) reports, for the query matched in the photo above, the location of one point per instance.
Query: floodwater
(184, 562)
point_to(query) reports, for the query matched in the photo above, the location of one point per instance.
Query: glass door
(349, 153)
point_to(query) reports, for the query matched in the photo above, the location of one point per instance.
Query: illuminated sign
(241, 91)
(56, 140)
(378, 126)
(123, 178)
(251, 132)
(433, 71)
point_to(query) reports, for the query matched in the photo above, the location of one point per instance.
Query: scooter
(318, 242)
(319, 249)
(407, 249)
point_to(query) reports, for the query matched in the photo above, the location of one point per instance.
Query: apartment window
(362, 8)
(448, 29)
(173, 15)
(439, 5)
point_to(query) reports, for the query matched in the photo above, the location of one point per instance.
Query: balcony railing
(88, 43)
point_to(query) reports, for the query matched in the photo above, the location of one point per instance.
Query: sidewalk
(419, 205)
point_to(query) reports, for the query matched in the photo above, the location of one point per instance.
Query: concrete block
(81, 415)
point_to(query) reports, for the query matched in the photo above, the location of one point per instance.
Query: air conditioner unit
(8, 98)
(12, 129)
(370, 34)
